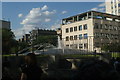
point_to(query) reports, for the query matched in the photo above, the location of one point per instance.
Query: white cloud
(100, 8)
(56, 25)
(101, 5)
(48, 13)
(64, 12)
(37, 17)
(45, 7)
(94, 9)
(20, 15)
(23, 30)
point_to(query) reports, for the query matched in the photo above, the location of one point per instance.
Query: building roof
(98, 13)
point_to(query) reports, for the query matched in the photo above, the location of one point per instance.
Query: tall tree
(114, 47)
(8, 41)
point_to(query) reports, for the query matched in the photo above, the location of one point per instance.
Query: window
(115, 28)
(80, 36)
(71, 29)
(67, 45)
(85, 45)
(111, 2)
(106, 26)
(67, 30)
(85, 36)
(96, 26)
(112, 11)
(71, 45)
(80, 45)
(102, 35)
(85, 26)
(119, 10)
(97, 44)
(111, 7)
(75, 28)
(80, 27)
(75, 37)
(119, 5)
(71, 37)
(97, 35)
(100, 26)
(110, 27)
(67, 38)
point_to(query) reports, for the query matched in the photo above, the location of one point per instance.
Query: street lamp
(31, 41)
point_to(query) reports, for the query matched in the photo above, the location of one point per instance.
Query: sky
(26, 16)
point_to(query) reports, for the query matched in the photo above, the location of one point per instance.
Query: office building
(90, 30)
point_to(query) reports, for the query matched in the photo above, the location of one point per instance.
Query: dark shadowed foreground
(61, 69)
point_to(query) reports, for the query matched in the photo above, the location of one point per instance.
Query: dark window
(96, 26)
(85, 36)
(71, 37)
(71, 29)
(75, 28)
(80, 27)
(75, 37)
(119, 10)
(67, 45)
(100, 26)
(115, 28)
(67, 38)
(85, 45)
(110, 27)
(111, 7)
(85, 26)
(106, 27)
(119, 5)
(80, 36)
(80, 45)
(67, 30)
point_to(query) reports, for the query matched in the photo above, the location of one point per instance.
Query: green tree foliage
(8, 41)
(51, 39)
(112, 47)
(22, 45)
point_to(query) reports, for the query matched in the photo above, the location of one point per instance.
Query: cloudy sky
(25, 16)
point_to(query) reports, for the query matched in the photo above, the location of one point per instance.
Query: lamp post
(31, 41)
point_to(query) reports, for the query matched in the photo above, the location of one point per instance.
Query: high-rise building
(113, 7)
(90, 30)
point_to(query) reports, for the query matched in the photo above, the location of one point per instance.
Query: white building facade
(90, 31)
(113, 7)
